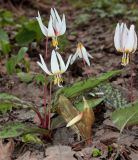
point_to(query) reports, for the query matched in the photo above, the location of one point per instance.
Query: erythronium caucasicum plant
(79, 116)
(81, 53)
(58, 67)
(56, 26)
(125, 41)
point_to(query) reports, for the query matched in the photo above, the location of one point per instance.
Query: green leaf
(5, 107)
(114, 96)
(63, 42)
(5, 96)
(92, 103)
(30, 26)
(12, 130)
(40, 79)
(25, 36)
(86, 85)
(5, 46)
(4, 35)
(31, 138)
(21, 54)
(126, 116)
(7, 17)
(25, 77)
(10, 65)
(14, 60)
(96, 152)
(7, 102)
(17, 129)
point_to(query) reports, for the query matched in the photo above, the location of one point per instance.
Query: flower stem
(50, 98)
(45, 90)
(132, 97)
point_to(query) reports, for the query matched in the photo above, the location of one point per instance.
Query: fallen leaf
(6, 150)
(59, 152)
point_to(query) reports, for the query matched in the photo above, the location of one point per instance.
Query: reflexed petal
(42, 26)
(54, 63)
(75, 120)
(57, 16)
(117, 38)
(51, 32)
(68, 62)
(62, 64)
(85, 56)
(63, 26)
(131, 39)
(74, 57)
(43, 65)
(89, 55)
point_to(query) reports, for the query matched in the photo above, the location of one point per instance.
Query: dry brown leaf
(87, 119)
(6, 150)
(68, 111)
(26, 156)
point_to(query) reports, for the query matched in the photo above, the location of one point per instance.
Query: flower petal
(54, 63)
(124, 36)
(131, 39)
(68, 62)
(135, 44)
(63, 26)
(75, 120)
(74, 57)
(51, 32)
(117, 37)
(62, 64)
(85, 55)
(42, 26)
(57, 16)
(43, 65)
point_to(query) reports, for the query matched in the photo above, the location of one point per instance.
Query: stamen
(58, 80)
(55, 42)
(125, 59)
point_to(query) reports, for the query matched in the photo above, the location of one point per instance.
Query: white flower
(81, 53)
(58, 66)
(125, 41)
(56, 26)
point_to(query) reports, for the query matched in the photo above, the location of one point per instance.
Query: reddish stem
(45, 90)
(45, 111)
(39, 115)
(49, 111)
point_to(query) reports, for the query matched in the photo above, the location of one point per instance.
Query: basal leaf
(21, 54)
(85, 85)
(31, 138)
(92, 103)
(38, 33)
(25, 36)
(5, 107)
(12, 130)
(126, 116)
(10, 65)
(4, 35)
(6, 96)
(25, 77)
(17, 129)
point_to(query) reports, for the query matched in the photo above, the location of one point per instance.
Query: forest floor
(96, 34)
